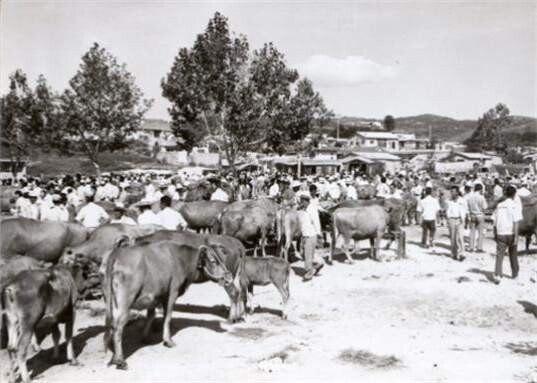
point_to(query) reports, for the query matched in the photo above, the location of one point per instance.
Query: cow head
(214, 266)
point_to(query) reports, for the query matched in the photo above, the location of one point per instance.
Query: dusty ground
(425, 318)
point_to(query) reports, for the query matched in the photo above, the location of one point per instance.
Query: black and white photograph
(268, 191)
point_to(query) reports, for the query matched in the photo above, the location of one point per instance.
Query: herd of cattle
(45, 266)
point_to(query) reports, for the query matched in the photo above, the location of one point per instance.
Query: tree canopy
(244, 100)
(389, 123)
(490, 127)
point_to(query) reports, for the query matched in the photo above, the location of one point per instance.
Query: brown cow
(149, 275)
(201, 215)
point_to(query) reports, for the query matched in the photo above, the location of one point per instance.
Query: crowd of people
(459, 202)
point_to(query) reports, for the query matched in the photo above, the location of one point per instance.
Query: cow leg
(148, 324)
(528, 241)
(295, 248)
(119, 324)
(35, 344)
(346, 250)
(56, 335)
(168, 311)
(284, 292)
(22, 350)
(69, 324)
(250, 300)
(263, 244)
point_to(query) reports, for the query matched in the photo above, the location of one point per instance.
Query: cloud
(352, 70)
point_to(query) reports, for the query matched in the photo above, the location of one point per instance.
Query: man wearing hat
(33, 209)
(120, 217)
(147, 216)
(56, 212)
(309, 232)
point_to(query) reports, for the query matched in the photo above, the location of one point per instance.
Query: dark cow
(249, 225)
(43, 240)
(201, 190)
(230, 249)
(149, 275)
(41, 298)
(528, 226)
(201, 215)
(261, 272)
(357, 223)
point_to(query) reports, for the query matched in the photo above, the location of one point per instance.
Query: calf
(261, 272)
(9, 268)
(149, 275)
(38, 297)
(290, 231)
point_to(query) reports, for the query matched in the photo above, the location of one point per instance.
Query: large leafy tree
(488, 134)
(102, 104)
(244, 101)
(389, 123)
(16, 117)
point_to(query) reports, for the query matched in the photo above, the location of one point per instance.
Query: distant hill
(442, 128)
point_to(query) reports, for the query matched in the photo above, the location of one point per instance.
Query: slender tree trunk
(97, 169)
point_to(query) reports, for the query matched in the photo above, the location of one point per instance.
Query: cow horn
(123, 241)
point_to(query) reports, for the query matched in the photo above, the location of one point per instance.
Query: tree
(243, 101)
(488, 134)
(15, 118)
(102, 106)
(389, 123)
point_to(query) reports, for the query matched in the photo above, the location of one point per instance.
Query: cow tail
(108, 292)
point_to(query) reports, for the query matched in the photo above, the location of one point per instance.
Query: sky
(366, 59)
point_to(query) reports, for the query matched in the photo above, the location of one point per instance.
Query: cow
(9, 268)
(229, 248)
(528, 226)
(357, 223)
(41, 298)
(201, 215)
(42, 240)
(261, 272)
(249, 225)
(148, 275)
(289, 232)
(102, 241)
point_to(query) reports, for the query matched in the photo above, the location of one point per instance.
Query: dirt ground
(425, 318)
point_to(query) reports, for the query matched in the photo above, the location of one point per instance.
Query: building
(464, 162)
(384, 140)
(154, 132)
(9, 165)
(371, 162)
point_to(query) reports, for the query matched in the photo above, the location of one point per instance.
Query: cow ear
(206, 253)
(123, 241)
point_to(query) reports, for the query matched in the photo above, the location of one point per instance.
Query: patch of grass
(253, 333)
(368, 359)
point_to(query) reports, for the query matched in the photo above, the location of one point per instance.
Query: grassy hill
(522, 132)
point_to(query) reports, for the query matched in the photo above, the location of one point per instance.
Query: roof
(315, 162)
(473, 156)
(156, 125)
(353, 158)
(377, 135)
(406, 136)
(377, 156)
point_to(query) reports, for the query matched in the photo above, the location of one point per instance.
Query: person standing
(383, 190)
(498, 190)
(506, 218)
(456, 215)
(309, 232)
(91, 215)
(476, 209)
(219, 194)
(429, 207)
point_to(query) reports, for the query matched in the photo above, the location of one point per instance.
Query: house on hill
(154, 132)
(10, 165)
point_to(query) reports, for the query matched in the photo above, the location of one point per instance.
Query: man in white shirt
(352, 194)
(219, 194)
(57, 212)
(92, 215)
(498, 190)
(476, 209)
(506, 218)
(147, 216)
(120, 217)
(383, 190)
(274, 190)
(429, 207)
(169, 218)
(456, 214)
(306, 218)
(22, 204)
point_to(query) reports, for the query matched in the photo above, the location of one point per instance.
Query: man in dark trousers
(506, 218)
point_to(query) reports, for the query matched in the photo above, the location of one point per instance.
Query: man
(147, 215)
(33, 208)
(169, 218)
(57, 212)
(352, 194)
(506, 218)
(274, 190)
(22, 204)
(92, 215)
(120, 217)
(383, 190)
(456, 215)
(429, 208)
(309, 237)
(498, 190)
(219, 194)
(476, 208)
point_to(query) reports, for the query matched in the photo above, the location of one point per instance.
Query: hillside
(522, 132)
